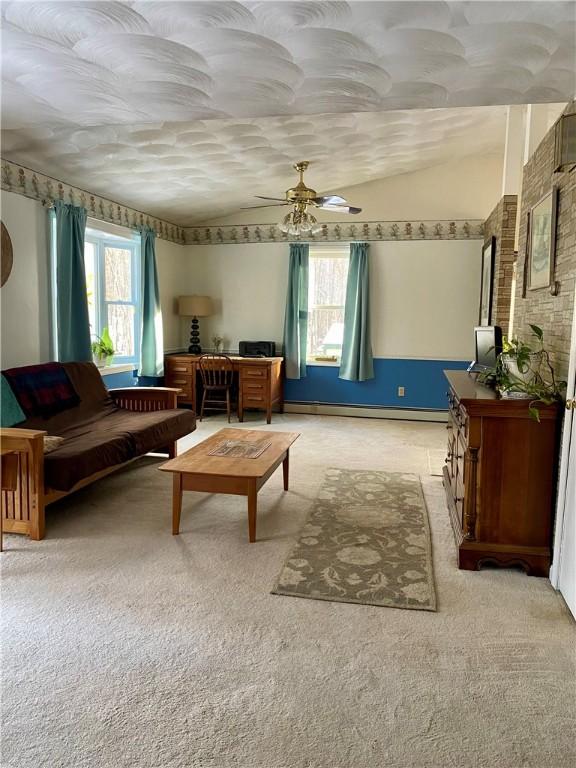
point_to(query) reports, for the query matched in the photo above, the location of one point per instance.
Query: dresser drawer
(255, 372)
(174, 366)
(459, 499)
(458, 415)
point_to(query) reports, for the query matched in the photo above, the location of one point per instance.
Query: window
(328, 273)
(112, 284)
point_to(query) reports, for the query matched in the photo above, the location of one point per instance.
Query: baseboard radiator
(366, 411)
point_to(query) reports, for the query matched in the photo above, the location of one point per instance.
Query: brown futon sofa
(101, 432)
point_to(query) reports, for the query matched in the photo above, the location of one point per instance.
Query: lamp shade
(195, 306)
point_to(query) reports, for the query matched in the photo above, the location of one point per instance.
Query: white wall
(425, 298)
(24, 299)
(424, 295)
(248, 284)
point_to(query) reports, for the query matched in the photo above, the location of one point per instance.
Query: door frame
(569, 416)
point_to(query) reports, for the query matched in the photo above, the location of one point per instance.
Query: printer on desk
(257, 348)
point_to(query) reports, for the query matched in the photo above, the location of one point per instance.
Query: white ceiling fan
(300, 220)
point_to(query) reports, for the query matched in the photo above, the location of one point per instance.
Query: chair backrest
(216, 371)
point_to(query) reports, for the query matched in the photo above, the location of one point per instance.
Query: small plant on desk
(217, 343)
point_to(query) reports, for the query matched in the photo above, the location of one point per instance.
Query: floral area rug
(367, 540)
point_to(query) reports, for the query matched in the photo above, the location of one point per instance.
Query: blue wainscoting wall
(423, 381)
(122, 379)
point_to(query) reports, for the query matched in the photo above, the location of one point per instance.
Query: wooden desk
(260, 381)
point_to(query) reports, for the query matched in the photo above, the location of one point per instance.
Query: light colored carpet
(367, 540)
(126, 647)
(436, 461)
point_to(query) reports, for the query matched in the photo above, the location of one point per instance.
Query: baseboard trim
(366, 411)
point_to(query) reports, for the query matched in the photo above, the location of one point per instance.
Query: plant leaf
(534, 413)
(537, 331)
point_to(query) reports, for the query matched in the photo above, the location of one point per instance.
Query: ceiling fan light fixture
(298, 222)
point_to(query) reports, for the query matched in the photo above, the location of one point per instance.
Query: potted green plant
(521, 360)
(523, 370)
(103, 349)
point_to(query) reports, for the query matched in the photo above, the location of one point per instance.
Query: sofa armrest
(15, 439)
(143, 399)
(23, 486)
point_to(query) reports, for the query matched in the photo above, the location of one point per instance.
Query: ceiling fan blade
(330, 200)
(254, 207)
(340, 208)
(278, 199)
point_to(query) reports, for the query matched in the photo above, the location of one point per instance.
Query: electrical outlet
(400, 391)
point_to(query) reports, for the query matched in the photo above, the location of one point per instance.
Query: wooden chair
(217, 373)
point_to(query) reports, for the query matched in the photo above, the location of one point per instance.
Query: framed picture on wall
(542, 241)
(486, 289)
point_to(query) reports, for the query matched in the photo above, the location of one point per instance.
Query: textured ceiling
(187, 108)
(188, 172)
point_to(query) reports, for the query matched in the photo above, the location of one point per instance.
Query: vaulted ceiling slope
(186, 109)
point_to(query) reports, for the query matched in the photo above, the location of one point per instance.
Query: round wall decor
(6, 256)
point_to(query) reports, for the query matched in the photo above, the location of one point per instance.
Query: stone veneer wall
(552, 313)
(501, 224)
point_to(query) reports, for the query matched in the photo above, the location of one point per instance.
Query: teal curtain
(356, 363)
(152, 339)
(296, 318)
(72, 321)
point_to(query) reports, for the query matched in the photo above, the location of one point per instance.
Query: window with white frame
(328, 274)
(113, 287)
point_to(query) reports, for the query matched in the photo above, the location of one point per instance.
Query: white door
(563, 571)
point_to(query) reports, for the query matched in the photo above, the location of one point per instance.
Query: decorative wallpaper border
(472, 229)
(37, 186)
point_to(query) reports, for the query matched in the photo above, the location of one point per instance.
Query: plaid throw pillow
(42, 390)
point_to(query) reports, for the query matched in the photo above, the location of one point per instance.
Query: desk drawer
(254, 387)
(178, 379)
(182, 382)
(254, 401)
(175, 366)
(254, 393)
(254, 372)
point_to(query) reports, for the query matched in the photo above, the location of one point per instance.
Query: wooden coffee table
(195, 470)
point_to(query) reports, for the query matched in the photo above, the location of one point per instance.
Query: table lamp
(195, 307)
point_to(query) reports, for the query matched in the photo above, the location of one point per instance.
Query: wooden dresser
(260, 381)
(500, 477)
